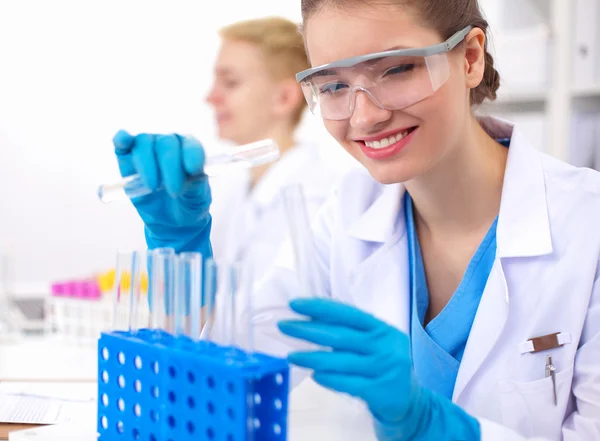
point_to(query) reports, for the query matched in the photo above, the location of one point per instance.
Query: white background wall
(71, 74)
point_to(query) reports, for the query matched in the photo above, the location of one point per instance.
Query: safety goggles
(393, 80)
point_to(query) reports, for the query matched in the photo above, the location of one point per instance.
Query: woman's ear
(287, 98)
(474, 57)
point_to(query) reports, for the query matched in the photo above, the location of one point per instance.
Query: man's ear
(288, 97)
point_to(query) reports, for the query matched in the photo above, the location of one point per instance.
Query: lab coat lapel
(523, 231)
(489, 322)
(379, 283)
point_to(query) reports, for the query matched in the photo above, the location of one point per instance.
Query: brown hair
(447, 17)
(281, 43)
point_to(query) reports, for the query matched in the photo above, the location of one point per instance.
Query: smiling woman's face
(394, 145)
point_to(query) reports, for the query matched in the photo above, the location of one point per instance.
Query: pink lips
(389, 151)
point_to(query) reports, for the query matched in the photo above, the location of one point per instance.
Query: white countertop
(315, 414)
(47, 358)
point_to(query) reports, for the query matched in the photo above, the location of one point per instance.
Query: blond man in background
(255, 96)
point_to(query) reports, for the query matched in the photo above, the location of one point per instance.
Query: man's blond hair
(281, 43)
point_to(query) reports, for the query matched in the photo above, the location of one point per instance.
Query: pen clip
(550, 372)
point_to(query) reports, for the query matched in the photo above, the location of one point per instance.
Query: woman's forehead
(334, 33)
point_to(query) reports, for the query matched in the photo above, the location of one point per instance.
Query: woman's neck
(461, 194)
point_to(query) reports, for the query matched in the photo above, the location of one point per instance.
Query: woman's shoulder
(573, 207)
(562, 177)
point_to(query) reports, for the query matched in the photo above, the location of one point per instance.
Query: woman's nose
(365, 111)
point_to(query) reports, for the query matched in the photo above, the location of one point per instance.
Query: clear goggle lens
(392, 83)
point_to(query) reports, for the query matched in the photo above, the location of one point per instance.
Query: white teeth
(386, 142)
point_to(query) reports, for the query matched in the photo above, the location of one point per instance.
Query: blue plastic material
(155, 387)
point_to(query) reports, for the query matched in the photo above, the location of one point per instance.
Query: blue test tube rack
(153, 386)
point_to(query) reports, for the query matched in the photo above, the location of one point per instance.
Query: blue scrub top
(437, 348)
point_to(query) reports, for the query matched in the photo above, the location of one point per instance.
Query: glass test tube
(232, 314)
(138, 317)
(246, 309)
(227, 278)
(122, 289)
(310, 273)
(209, 293)
(188, 302)
(162, 287)
(244, 156)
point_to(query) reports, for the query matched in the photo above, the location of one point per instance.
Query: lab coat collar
(379, 222)
(523, 226)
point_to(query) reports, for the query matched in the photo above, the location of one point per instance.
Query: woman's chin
(390, 174)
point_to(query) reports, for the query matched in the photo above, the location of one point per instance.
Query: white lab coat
(249, 224)
(545, 279)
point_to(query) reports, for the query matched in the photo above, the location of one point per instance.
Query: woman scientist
(462, 295)
(256, 96)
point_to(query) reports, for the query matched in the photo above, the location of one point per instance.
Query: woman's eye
(399, 69)
(332, 88)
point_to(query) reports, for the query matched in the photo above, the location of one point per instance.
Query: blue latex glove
(178, 216)
(370, 359)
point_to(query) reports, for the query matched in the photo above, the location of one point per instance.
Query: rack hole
(120, 427)
(136, 434)
(105, 354)
(105, 400)
(256, 423)
(171, 421)
(154, 391)
(138, 362)
(230, 437)
(104, 422)
(231, 414)
(121, 381)
(210, 407)
(153, 415)
(155, 367)
(121, 404)
(191, 377)
(172, 396)
(257, 398)
(277, 429)
(152, 437)
(121, 358)
(191, 402)
(278, 404)
(190, 427)
(230, 387)
(105, 376)
(138, 386)
(279, 379)
(137, 409)
(172, 372)
(211, 382)
(210, 433)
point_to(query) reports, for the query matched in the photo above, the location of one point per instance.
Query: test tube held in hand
(245, 156)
